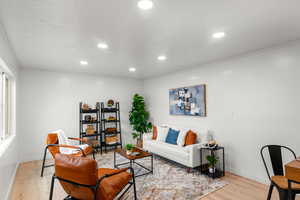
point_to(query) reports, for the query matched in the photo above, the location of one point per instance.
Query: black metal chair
(278, 179)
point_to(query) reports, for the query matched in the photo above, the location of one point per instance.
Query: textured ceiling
(57, 34)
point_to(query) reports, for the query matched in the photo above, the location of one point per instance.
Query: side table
(220, 170)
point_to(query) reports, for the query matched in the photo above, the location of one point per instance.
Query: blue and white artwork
(188, 101)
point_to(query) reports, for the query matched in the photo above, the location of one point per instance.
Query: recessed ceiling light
(218, 35)
(84, 62)
(162, 58)
(145, 4)
(132, 69)
(102, 46)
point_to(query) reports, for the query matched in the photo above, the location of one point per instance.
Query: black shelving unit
(220, 168)
(96, 123)
(107, 112)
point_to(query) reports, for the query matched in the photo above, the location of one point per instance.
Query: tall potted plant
(139, 118)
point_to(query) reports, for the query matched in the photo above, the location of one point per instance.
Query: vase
(128, 152)
(212, 170)
(139, 143)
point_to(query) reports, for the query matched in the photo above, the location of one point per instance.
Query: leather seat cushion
(111, 186)
(282, 182)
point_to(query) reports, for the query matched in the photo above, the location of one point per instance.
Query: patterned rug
(169, 180)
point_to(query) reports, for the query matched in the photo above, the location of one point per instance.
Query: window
(6, 83)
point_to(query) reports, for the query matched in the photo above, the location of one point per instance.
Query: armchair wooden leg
(270, 191)
(44, 160)
(52, 187)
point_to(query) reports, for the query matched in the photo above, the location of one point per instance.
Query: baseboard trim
(10, 187)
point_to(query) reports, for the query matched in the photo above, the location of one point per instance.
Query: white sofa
(188, 156)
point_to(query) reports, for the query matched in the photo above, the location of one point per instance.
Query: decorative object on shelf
(110, 103)
(90, 130)
(111, 139)
(139, 117)
(85, 107)
(212, 161)
(94, 118)
(188, 101)
(129, 148)
(111, 118)
(111, 130)
(212, 144)
(88, 118)
(110, 125)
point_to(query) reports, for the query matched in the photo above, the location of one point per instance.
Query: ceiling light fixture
(102, 46)
(84, 62)
(132, 69)
(162, 58)
(145, 4)
(218, 35)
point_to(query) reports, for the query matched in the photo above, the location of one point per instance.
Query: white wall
(9, 148)
(50, 100)
(252, 100)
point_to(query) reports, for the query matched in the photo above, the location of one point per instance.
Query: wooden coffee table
(132, 159)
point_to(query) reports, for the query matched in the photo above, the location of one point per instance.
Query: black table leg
(152, 163)
(114, 159)
(223, 162)
(290, 190)
(201, 170)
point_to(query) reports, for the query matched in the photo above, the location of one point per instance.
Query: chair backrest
(275, 153)
(52, 138)
(76, 171)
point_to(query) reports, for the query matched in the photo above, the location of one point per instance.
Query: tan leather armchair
(81, 179)
(53, 147)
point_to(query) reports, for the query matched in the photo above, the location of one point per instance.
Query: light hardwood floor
(29, 185)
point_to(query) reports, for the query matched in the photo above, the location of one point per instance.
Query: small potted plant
(129, 148)
(212, 161)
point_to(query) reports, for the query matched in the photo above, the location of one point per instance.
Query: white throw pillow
(181, 137)
(62, 139)
(162, 133)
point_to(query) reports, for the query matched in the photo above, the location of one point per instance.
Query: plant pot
(128, 152)
(212, 170)
(139, 143)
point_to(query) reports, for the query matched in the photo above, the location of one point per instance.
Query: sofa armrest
(147, 136)
(194, 154)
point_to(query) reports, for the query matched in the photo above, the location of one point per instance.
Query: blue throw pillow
(172, 136)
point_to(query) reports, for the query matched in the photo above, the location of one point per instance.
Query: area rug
(168, 181)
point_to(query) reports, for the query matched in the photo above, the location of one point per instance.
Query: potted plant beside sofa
(212, 161)
(139, 118)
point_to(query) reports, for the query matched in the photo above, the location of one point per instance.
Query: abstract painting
(188, 101)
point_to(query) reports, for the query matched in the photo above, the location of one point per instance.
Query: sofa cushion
(162, 133)
(181, 136)
(169, 151)
(154, 132)
(172, 136)
(190, 138)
